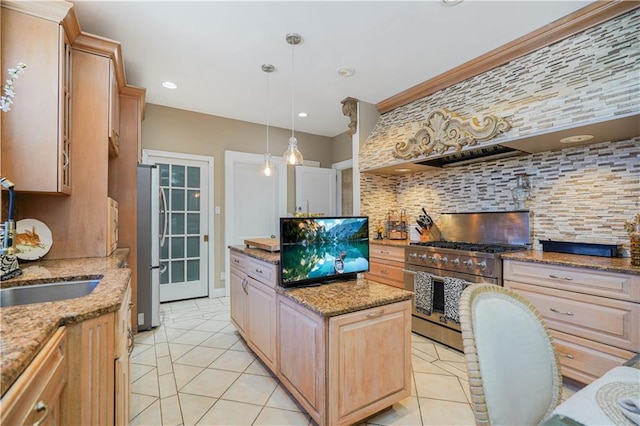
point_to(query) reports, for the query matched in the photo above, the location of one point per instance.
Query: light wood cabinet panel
(35, 136)
(262, 271)
(238, 295)
(585, 360)
(609, 321)
(587, 281)
(369, 361)
(386, 264)
(392, 253)
(593, 315)
(112, 225)
(88, 398)
(261, 302)
(124, 346)
(239, 261)
(114, 113)
(35, 396)
(301, 351)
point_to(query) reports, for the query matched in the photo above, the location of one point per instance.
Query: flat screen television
(318, 250)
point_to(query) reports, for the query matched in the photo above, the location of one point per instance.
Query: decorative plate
(33, 239)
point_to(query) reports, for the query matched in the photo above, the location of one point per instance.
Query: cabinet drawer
(586, 360)
(587, 281)
(39, 385)
(387, 273)
(612, 322)
(239, 261)
(387, 252)
(263, 272)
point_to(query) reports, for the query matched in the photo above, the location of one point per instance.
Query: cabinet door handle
(41, 406)
(560, 312)
(375, 314)
(560, 278)
(131, 342)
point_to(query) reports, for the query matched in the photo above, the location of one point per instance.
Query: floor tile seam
(417, 397)
(141, 377)
(446, 400)
(179, 407)
(145, 408)
(464, 385)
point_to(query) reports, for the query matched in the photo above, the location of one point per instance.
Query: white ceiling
(213, 50)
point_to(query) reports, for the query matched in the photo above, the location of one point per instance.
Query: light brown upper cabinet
(114, 113)
(36, 139)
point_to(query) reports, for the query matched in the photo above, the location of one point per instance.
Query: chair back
(513, 368)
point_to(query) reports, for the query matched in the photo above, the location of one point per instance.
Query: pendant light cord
(293, 75)
(268, 99)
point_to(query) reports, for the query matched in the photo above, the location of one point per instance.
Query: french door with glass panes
(184, 268)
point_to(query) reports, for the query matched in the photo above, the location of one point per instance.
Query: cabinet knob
(565, 355)
(41, 406)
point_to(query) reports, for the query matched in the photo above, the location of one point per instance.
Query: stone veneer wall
(580, 193)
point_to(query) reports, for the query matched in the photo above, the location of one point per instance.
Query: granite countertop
(392, 243)
(610, 264)
(342, 298)
(26, 329)
(265, 256)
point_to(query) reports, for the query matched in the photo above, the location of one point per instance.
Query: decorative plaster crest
(445, 130)
(350, 109)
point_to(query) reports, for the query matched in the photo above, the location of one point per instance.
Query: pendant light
(292, 155)
(267, 168)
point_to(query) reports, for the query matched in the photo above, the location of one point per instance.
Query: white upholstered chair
(513, 368)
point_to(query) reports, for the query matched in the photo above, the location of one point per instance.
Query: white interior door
(253, 203)
(184, 257)
(316, 190)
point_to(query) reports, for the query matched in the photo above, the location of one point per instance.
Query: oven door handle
(435, 277)
(409, 272)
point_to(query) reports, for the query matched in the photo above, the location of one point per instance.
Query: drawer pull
(131, 343)
(384, 252)
(566, 355)
(560, 278)
(561, 313)
(41, 406)
(236, 261)
(385, 271)
(375, 314)
(259, 271)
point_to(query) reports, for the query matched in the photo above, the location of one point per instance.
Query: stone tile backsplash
(579, 193)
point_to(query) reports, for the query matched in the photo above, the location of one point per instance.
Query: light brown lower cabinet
(35, 396)
(97, 390)
(593, 315)
(348, 367)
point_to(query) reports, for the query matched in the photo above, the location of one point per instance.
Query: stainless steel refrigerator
(151, 234)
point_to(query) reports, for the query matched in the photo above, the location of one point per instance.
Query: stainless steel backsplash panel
(510, 227)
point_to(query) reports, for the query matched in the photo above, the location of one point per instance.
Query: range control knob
(433, 259)
(455, 262)
(423, 256)
(468, 263)
(482, 265)
(413, 255)
(444, 260)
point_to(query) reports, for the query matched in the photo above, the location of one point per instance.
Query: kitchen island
(343, 350)
(98, 322)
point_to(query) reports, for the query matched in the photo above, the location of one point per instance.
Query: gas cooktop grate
(477, 247)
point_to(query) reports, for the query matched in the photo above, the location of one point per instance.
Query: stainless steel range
(471, 252)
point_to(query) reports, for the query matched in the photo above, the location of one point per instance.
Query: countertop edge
(607, 264)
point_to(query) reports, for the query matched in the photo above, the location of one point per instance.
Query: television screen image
(315, 250)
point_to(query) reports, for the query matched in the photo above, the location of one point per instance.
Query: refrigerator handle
(164, 211)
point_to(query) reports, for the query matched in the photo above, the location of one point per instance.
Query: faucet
(9, 267)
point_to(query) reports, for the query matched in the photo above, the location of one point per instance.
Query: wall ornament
(445, 130)
(350, 109)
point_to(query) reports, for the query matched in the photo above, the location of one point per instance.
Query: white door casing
(187, 181)
(339, 167)
(253, 203)
(316, 190)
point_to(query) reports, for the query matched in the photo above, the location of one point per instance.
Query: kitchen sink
(49, 292)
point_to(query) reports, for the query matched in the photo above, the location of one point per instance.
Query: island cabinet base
(345, 368)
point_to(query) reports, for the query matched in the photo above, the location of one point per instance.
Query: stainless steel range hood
(605, 129)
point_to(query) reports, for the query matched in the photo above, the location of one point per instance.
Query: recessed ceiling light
(576, 138)
(346, 72)
(169, 85)
(303, 114)
(403, 170)
(451, 2)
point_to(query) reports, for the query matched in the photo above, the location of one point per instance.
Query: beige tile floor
(195, 369)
